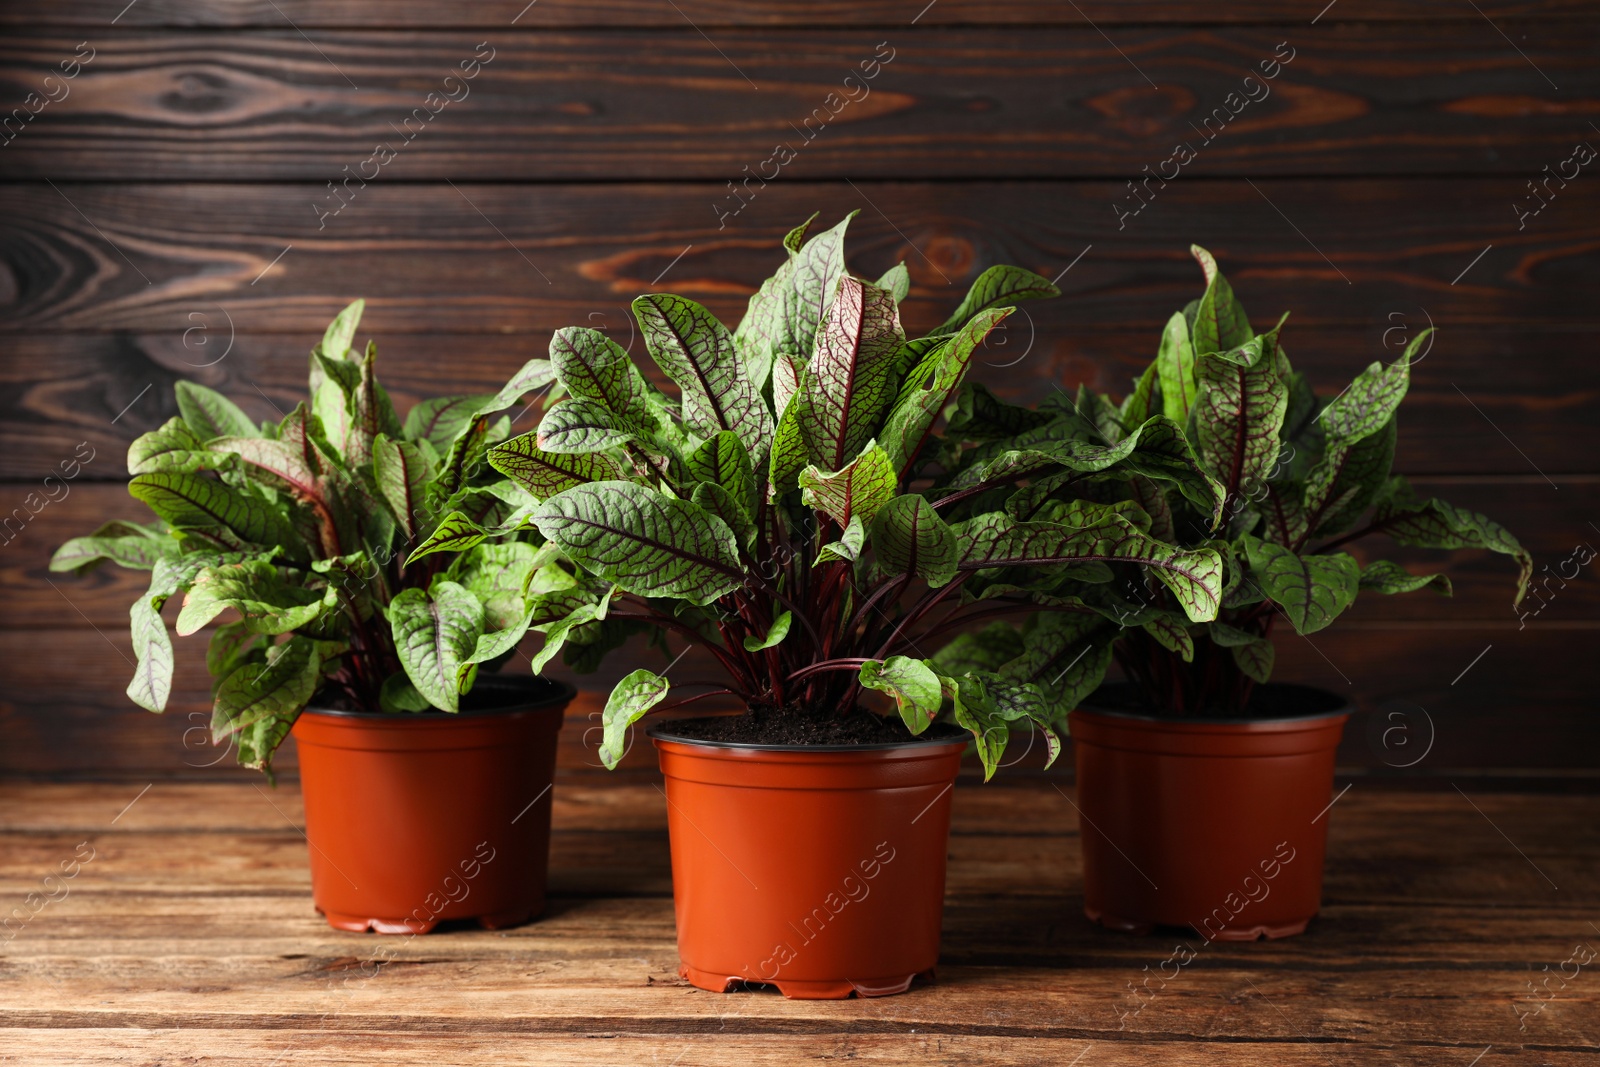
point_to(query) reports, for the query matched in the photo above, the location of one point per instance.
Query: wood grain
(190, 936)
(1516, 708)
(59, 391)
(942, 103)
(509, 259)
(682, 16)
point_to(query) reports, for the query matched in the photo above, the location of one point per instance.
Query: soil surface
(797, 726)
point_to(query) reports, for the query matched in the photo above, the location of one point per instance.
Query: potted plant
(777, 512)
(319, 533)
(1203, 786)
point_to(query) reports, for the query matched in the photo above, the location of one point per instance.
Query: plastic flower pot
(1220, 825)
(414, 819)
(816, 869)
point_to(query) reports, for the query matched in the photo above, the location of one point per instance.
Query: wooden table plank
(190, 934)
(684, 15)
(941, 103)
(426, 260)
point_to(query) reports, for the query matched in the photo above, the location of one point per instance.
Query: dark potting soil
(1276, 700)
(795, 726)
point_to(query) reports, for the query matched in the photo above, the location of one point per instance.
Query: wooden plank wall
(170, 211)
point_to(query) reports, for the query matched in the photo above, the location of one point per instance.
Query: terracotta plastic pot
(1216, 824)
(413, 819)
(817, 869)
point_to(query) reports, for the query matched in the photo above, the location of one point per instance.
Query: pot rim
(655, 731)
(1343, 709)
(562, 694)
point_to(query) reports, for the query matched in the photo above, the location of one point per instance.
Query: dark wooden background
(161, 222)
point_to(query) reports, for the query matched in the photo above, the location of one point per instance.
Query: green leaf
(911, 538)
(441, 420)
(210, 414)
(929, 387)
(979, 415)
(850, 383)
(1347, 479)
(861, 489)
(1169, 629)
(813, 280)
(402, 471)
(257, 591)
(978, 715)
(1386, 576)
(697, 353)
(174, 447)
(576, 425)
(649, 544)
(1175, 366)
(988, 649)
(399, 695)
(1066, 655)
(232, 645)
(722, 459)
(1311, 590)
(913, 685)
(999, 285)
(1136, 405)
(260, 702)
(897, 280)
(152, 645)
(534, 374)
(123, 543)
(556, 633)
(997, 540)
(1369, 404)
(1255, 659)
(344, 374)
(1229, 636)
(434, 631)
(544, 474)
(1436, 524)
(340, 335)
(775, 636)
(1237, 418)
(635, 695)
(1220, 323)
(848, 547)
(497, 575)
(235, 517)
(717, 501)
(455, 533)
(594, 368)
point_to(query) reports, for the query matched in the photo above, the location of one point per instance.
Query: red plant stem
(983, 487)
(728, 663)
(826, 665)
(927, 604)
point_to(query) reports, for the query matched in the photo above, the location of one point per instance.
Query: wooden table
(190, 938)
